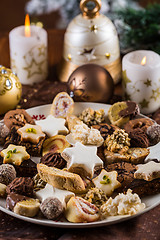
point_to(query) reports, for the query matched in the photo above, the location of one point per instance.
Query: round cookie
(18, 118)
(142, 123)
(51, 208)
(7, 173)
(153, 132)
(138, 138)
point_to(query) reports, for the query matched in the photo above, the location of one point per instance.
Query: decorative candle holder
(141, 79)
(28, 54)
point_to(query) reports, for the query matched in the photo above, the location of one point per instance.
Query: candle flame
(27, 26)
(143, 62)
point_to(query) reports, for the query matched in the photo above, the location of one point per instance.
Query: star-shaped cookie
(31, 133)
(53, 126)
(107, 181)
(82, 159)
(148, 171)
(14, 154)
(50, 191)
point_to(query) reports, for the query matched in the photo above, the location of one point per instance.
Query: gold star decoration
(34, 68)
(13, 65)
(156, 94)
(144, 103)
(125, 79)
(42, 50)
(69, 57)
(94, 28)
(107, 55)
(148, 83)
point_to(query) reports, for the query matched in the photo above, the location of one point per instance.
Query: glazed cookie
(34, 149)
(18, 118)
(148, 171)
(121, 112)
(142, 123)
(126, 178)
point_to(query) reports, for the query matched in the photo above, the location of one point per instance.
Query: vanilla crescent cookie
(79, 210)
(148, 171)
(62, 105)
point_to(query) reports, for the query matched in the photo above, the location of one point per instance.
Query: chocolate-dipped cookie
(22, 186)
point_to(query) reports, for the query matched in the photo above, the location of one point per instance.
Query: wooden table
(144, 227)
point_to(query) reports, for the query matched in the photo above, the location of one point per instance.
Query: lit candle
(28, 53)
(141, 79)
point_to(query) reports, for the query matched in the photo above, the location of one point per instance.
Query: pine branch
(143, 28)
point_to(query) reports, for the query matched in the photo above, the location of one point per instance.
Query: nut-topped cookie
(17, 118)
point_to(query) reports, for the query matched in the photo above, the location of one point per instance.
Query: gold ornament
(10, 90)
(91, 83)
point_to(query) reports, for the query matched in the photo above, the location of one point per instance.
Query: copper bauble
(10, 90)
(91, 83)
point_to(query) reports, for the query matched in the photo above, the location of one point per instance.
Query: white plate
(151, 201)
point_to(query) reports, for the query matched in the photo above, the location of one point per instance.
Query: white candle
(28, 55)
(141, 81)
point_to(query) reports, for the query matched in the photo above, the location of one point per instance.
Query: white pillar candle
(28, 55)
(141, 83)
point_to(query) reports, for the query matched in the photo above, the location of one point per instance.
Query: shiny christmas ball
(91, 83)
(10, 90)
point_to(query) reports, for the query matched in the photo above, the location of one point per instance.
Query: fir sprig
(143, 28)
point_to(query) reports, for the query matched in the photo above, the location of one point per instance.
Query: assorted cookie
(90, 167)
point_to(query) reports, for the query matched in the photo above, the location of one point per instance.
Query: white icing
(109, 187)
(147, 169)
(31, 136)
(82, 156)
(53, 126)
(50, 191)
(16, 158)
(123, 204)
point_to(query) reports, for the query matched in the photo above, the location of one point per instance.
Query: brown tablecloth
(145, 227)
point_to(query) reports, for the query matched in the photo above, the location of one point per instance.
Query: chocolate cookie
(126, 178)
(53, 160)
(32, 148)
(13, 198)
(105, 129)
(153, 132)
(142, 123)
(18, 117)
(28, 168)
(22, 186)
(138, 138)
